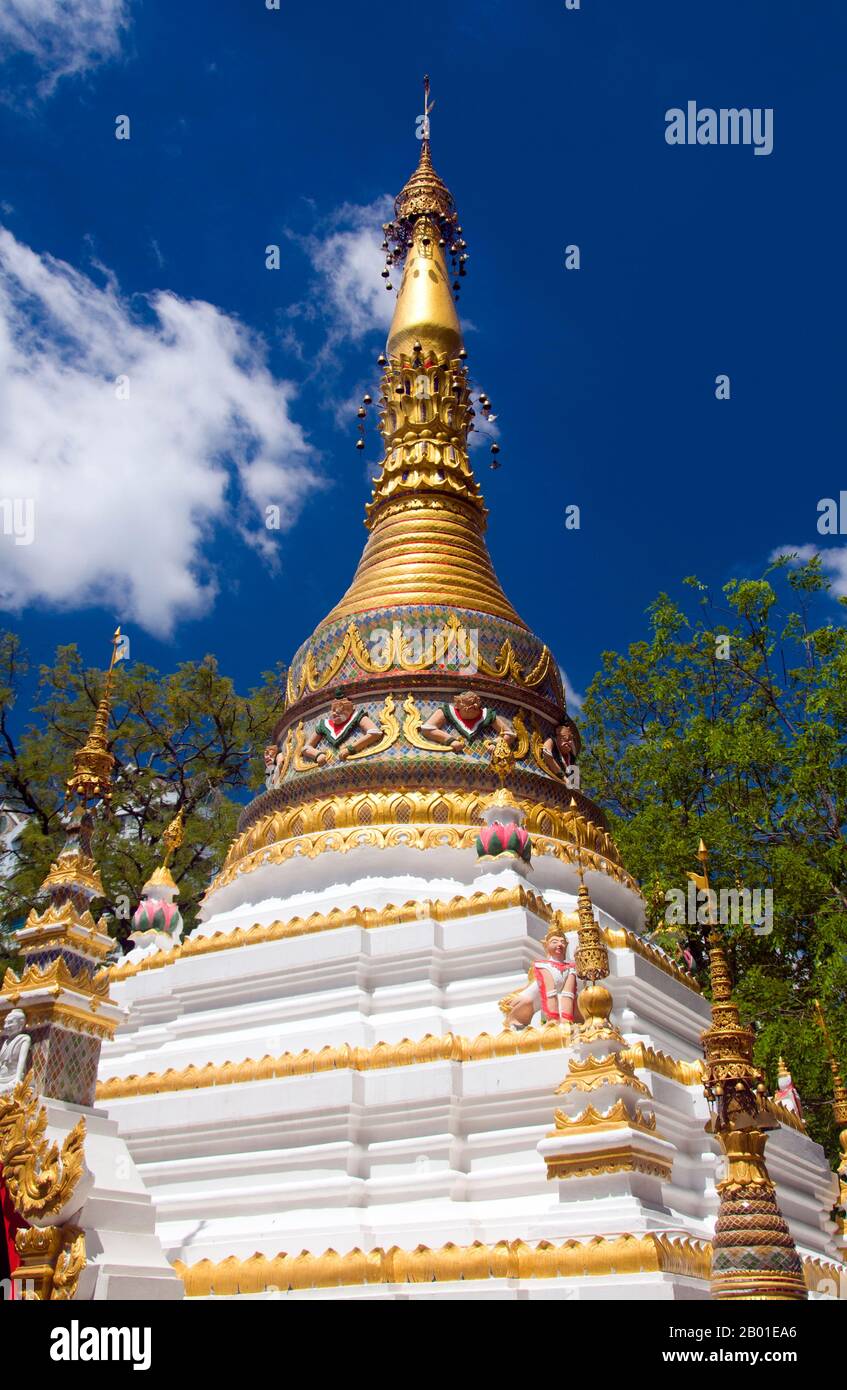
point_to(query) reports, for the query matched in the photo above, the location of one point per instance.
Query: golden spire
(172, 837)
(427, 516)
(425, 218)
(753, 1252)
(839, 1103)
(733, 1084)
(592, 964)
(92, 775)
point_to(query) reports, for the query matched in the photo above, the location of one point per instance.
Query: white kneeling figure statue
(14, 1051)
(786, 1092)
(551, 988)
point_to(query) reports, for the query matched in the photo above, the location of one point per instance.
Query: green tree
(728, 722)
(187, 740)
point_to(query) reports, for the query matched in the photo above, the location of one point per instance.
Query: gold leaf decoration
(39, 1177)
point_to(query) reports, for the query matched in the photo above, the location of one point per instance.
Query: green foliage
(185, 740)
(742, 742)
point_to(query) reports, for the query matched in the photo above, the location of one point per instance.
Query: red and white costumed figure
(786, 1092)
(342, 721)
(551, 988)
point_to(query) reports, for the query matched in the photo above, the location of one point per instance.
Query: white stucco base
(420, 1154)
(124, 1257)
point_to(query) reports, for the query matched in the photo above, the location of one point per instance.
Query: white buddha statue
(14, 1050)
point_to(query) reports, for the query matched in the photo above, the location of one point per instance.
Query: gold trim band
(515, 1259)
(600, 1161)
(449, 1047)
(397, 657)
(368, 918)
(415, 819)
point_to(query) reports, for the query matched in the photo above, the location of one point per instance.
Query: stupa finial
(424, 232)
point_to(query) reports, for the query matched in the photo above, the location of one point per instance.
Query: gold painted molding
(409, 837)
(686, 1073)
(784, 1115)
(76, 1019)
(817, 1272)
(55, 975)
(66, 926)
(397, 658)
(368, 918)
(73, 869)
(416, 819)
(39, 1177)
(619, 1255)
(592, 1072)
(391, 915)
(618, 938)
(590, 1121)
(626, 1159)
(51, 1260)
(448, 1047)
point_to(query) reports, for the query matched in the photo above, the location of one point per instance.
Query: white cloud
(573, 699)
(349, 296)
(63, 37)
(127, 492)
(349, 293)
(833, 561)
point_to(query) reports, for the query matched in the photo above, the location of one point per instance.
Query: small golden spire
(733, 1084)
(839, 1110)
(92, 775)
(425, 225)
(839, 1104)
(747, 1260)
(592, 964)
(425, 194)
(172, 837)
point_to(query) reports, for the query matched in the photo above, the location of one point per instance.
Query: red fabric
(339, 728)
(790, 1093)
(12, 1223)
(471, 726)
(541, 978)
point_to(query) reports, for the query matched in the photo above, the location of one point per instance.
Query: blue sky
(145, 259)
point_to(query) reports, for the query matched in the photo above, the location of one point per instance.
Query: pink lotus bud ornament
(496, 839)
(155, 914)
